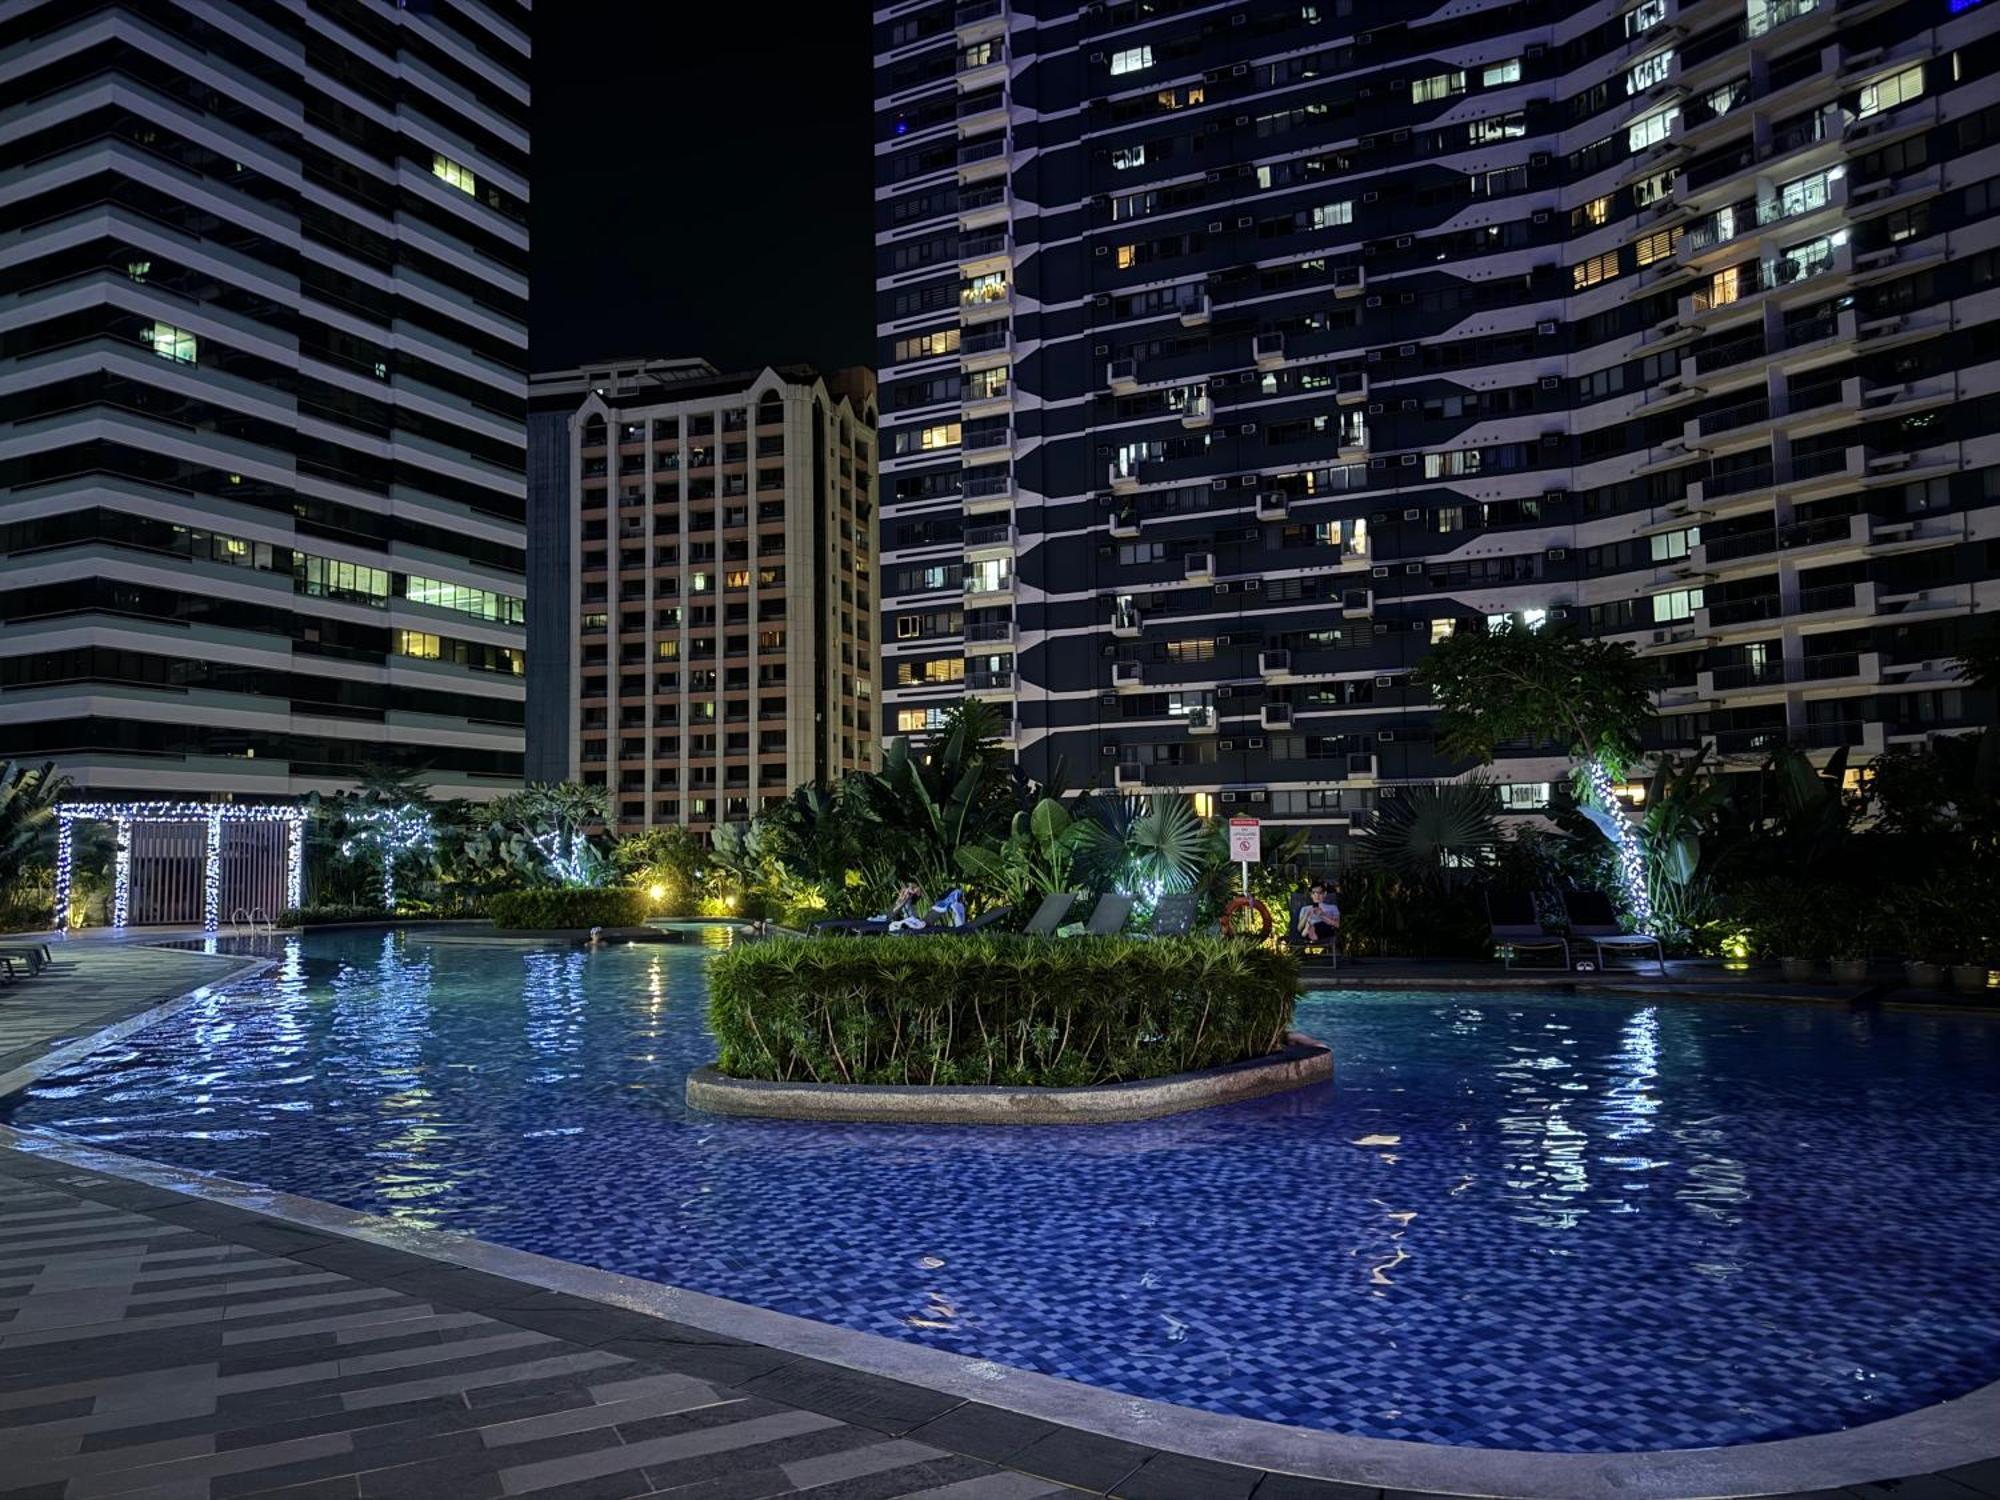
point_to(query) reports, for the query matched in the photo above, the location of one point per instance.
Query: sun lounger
(1049, 915)
(1107, 918)
(1516, 930)
(1173, 916)
(1592, 920)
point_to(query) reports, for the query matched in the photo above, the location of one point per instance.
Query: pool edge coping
(1945, 1435)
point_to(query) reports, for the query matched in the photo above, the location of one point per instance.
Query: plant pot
(1797, 970)
(1968, 976)
(1922, 975)
(1850, 971)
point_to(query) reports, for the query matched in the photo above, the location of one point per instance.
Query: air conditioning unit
(1226, 796)
(1547, 330)
(1253, 585)
(1413, 514)
(1413, 568)
(1225, 744)
(1557, 554)
(1109, 752)
(1199, 567)
(1260, 796)
(1380, 570)
(1385, 682)
(1256, 742)
(1386, 737)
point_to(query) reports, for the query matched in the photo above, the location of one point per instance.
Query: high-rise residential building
(553, 398)
(1232, 355)
(722, 587)
(263, 288)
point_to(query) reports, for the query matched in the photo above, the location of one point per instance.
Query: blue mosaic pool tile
(1545, 1222)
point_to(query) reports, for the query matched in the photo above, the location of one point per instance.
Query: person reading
(1319, 918)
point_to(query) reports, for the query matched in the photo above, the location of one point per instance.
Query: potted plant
(1779, 917)
(1976, 906)
(1848, 954)
(1913, 915)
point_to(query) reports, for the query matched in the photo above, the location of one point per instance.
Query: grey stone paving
(92, 983)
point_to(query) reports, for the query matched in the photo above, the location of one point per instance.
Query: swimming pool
(1526, 1221)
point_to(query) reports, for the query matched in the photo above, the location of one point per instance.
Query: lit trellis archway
(125, 817)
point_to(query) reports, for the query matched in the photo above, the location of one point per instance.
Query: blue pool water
(1519, 1221)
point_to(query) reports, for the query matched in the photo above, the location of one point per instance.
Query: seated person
(1318, 920)
(906, 915)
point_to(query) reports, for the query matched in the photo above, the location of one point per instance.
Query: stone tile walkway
(90, 984)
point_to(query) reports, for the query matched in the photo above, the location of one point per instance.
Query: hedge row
(322, 916)
(995, 1010)
(567, 908)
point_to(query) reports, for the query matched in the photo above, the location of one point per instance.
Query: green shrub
(326, 914)
(987, 1010)
(567, 908)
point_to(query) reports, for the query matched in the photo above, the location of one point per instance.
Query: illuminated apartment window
(1131, 60)
(927, 345)
(1124, 158)
(170, 342)
(138, 270)
(1670, 545)
(1651, 189)
(457, 175)
(1650, 130)
(941, 435)
(1437, 86)
(418, 644)
(1524, 796)
(1597, 268)
(736, 578)
(1500, 73)
(1677, 604)
(1724, 287)
(1887, 93)
(1645, 16)
(1442, 630)
(916, 720)
(1656, 246)
(698, 583)
(1512, 127)
(666, 650)
(1128, 257)
(992, 287)
(1648, 71)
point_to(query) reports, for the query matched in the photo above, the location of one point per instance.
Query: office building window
(459, 176)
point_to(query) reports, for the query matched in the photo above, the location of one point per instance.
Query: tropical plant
(543, 831)
(566, 908)
(985, 1010)
(926, 804)
(1038, 856)
(1147, 846)
(1517, 684)
(28, 798)
(1685, 799)
(814, 838)
(1433, 834)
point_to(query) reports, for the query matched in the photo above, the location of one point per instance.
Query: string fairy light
(126, 816)
(396, 832)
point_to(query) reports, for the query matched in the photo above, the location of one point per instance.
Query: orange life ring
(1258, 928)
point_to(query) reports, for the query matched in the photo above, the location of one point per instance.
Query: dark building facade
(1234, 354)
(263, 288)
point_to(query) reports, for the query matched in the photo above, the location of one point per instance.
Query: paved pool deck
(160, 1343)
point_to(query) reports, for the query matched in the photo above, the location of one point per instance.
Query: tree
(552, 819)
(1515, 684)
(1430, 834)
(391, 814)
(28, 798)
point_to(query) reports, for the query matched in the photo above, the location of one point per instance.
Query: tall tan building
(723, 585)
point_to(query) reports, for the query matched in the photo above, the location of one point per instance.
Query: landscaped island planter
(1301, 1063)
(1041, 1030)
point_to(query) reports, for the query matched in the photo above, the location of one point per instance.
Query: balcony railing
(1814, 465)
(1776, 13)
(1749, 674)
(1737, 481)
(1743, 414)
(1735, 352)
(986, 437)
(1827, 597)
(977, 10)
(988, 536)
(981, 150)
(984, 340)
(986, 242)
(982, 682)
(1831, 665)
(981, 195)
(989, 631)
(1743, 611)
(1749, 544)
(979, 486)
(1812, 533)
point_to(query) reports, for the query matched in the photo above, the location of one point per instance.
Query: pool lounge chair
(1049, 915)
(1328, 953)
(34, 957)
(1173, 916)
(1516, 930)
(982, 923)
(1592, 920)
(1107, 918)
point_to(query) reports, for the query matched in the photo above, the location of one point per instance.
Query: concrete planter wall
(1302, 1063)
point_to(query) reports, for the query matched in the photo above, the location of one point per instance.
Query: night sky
(703, 187)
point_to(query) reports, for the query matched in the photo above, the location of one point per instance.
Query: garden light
(656, 893)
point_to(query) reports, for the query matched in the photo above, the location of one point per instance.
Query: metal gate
(253, 869)
(169, 861)
(167, 864)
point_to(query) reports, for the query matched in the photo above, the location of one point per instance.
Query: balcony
(1125, 622)
(1701, 433)
(1741, 677)
(996, 680)
(1197, 411)
(1200, 721)
(1124, 478)
(1198, 567)
(1128, 774)
(986, 490)
(989, 633)
(979, 397)
(1273, 505)
(984, 203)
(1829, 599)
(987, 445)
(981, 249)
(988, 541)
(1754, 613)
(1275, 716)
(1127, 676)
(1273, 665)
(1268, 350)
(1125, 522)
(984, 301)
(1122, 375)
(982, 65)
(1194, 309)
(988, 588)
(1350, 388)
(982, 109)
(985, 347)
(1349, 281)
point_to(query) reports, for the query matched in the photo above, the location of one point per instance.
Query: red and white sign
(1246, 841)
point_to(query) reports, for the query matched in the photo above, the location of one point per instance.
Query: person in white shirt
(1319, 918)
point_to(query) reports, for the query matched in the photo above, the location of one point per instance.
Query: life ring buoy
(1247, 917)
